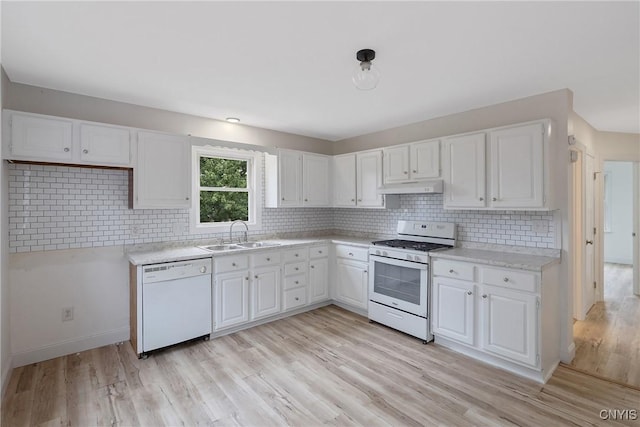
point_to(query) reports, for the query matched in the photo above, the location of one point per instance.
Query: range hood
(418, 187)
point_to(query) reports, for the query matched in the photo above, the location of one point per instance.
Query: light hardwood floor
(608, 340)
(324, 367)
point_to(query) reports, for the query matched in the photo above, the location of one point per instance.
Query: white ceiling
(287, 66)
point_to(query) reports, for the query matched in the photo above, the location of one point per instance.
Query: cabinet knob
(283, 199)
(359, 200)
(186, 198)
(494, 199)
(481, 199)
(297, 269)
(365, 271)
(306, 200)
(255, 277)
(353, 200)
(297, 255)
(469, 293)
(246, 278)
(506, 279)
(414, 171)
(484, 296)
(297, 299)
(296, 282)
(319, 252)
(268, 259)
(233, 264)
(451, 271)
(66, 149)
(406, 173)
(85, 151)
(312, 266)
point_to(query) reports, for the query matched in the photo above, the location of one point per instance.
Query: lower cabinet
(231, 299)
(352, 281)
(265, 292)
(508, 314)
(318, 280)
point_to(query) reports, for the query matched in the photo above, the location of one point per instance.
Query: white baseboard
(5, 378)
(71, 346)
(360, 311)
(614, 260)
(571, 353)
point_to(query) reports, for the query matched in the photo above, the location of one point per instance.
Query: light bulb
(366, 76)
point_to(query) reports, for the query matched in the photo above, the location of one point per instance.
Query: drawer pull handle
(506, 279)
(233, 264)
(297, 269)
(481, 199)
(469, 293)
(268, 259)
(296, 282)
(85, 151)
(66, 149)
(350, 253)
(451, 271)
(319, 252)
(494, 199)
(484, 296)
(297, 255)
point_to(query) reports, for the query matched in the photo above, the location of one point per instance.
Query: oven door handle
(398, 262)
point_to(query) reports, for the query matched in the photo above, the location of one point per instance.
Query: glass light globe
(366, 76)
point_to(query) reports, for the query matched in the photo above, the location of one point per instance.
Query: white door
(290, 178)
(351, 283)
(517, 167)
(41, 138)
(589, 284)
(265, 291)
(464, 171)
(509, 324)
(161, 176)
(453, 309)
(318, 280)
(315, 180)
(425, 159)
(344, 180)
(636, 228)
(231, 299)
(369, 178)
(396, 164)
(105, 145)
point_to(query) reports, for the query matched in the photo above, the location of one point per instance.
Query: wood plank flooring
(324, 367)
(608, 340)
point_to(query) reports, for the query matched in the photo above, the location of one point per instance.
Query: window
(225, 188)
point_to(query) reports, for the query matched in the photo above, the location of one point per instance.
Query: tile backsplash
(60, 207)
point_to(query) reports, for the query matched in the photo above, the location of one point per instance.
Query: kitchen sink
(257, 244)
(218, 248)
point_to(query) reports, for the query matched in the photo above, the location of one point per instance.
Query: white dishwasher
(176, 303)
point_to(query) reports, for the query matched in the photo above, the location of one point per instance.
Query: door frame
(636, 228)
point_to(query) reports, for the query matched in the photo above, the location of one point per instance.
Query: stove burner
(409, 244)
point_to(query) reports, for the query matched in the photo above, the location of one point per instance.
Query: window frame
(254, 187)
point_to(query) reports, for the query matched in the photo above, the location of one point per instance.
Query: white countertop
(521, 261)
(159, 255)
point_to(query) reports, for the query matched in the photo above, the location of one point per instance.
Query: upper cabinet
(344, 180)
(161, 177)
(297, 179)
(357, 177)
(39, 138)
(501, 169)
(412, 162)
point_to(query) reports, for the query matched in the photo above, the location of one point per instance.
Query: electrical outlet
(67, 314)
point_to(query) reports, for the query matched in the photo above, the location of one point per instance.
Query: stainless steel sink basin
(257, 244)
(218, 248)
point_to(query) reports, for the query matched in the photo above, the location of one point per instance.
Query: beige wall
(584, 133)
(64, 104)
(618, 146)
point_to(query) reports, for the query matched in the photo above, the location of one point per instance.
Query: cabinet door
(352, 283)
(464, 171)
(232, 299)
(396, 164)
(161, 175)
(290, 178)
(509, 324)
(41, 138)
(369, 178)
(344, 180)
(265, 290)
(105, 145)
(315, 179)
(425, 159)
(517, 168)
(318, 280)
(453, 309)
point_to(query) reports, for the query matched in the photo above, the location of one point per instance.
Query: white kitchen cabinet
(454, 309)
(295, 283)
(509, 324)
(517, 168)
(231, 299)
(40, 138)
(344, 180)
(162, 173)
(352, 278)
(508, 172)
(265, 292)
(315, 180)
(464, 171)
(357, 177)
(105, 145)
(412, 162)
(318, 280)
(296, 179)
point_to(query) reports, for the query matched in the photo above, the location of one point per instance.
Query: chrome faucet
(245, 232)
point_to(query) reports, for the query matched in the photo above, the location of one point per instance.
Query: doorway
(608, 337)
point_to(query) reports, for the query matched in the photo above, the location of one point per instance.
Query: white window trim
(255, 185)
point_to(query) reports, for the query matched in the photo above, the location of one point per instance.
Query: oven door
(399, 284)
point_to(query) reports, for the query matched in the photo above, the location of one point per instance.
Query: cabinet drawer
(453, 269)
(318, 251)
(295, 298)
(295, 268)
(295, 281)
(293, 255)
(231, 263)
(512, 279)
(352, 252)
(265, 259)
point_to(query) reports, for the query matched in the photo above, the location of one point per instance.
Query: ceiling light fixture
(366, 76)
(233, 120)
